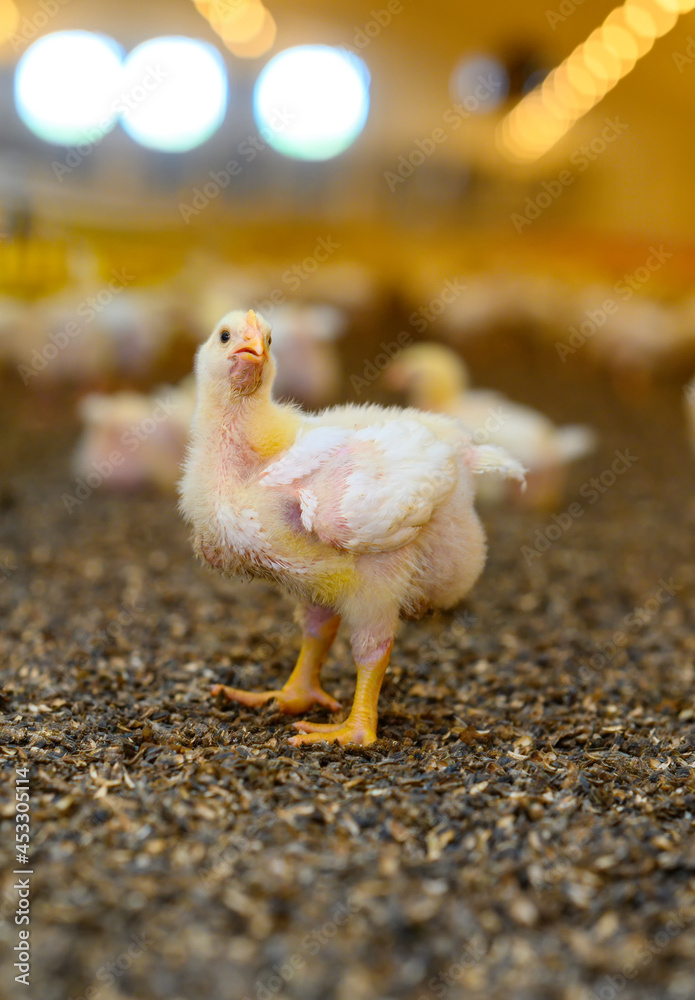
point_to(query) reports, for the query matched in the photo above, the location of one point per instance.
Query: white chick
(436, 379)
(140, 439)
(307, 361)
(361, 513)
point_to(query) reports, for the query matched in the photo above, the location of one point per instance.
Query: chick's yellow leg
(360, 725)
(303, 688)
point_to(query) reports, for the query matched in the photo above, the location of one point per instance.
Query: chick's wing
(369, 489)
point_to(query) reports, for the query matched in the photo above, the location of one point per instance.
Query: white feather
(308, 503)
(377, 493)
(489, 458)
(308, 452)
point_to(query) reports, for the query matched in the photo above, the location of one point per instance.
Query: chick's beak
(252, 347)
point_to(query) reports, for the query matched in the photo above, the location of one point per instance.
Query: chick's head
(235, 360)
(431, 375)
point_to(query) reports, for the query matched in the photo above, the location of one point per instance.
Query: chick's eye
(270, 340)
(224, 336)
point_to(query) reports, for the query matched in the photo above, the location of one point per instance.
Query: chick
(436, 379)
(360, 513)
(308, 362)
(147, 434)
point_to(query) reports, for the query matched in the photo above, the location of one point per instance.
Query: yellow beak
(253, 346)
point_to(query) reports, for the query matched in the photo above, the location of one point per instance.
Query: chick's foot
(356, 731)
(291, 699)
(360, 725)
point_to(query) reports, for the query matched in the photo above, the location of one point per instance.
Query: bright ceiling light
(639, 18)
(593, 68)
(639, 25)
(580, 78)
(66, 85)
(622, 43)
(260, 43)
(600, 61)
(312, 101)
(176, 93)
(9, 19)
(663, 16)
(236, 21)
(576, 101)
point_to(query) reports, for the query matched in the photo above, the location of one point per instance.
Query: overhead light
(601, 61)
(66, 86)
(245, 26)
(312, 101)
(177, 93)
(621, 42)
(9, 19)
(237, 21)
(260, 43)
(573, 88)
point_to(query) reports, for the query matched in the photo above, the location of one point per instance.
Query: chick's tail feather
(482, 458)
(575, 441)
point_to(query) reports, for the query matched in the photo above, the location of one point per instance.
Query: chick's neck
(249, 429)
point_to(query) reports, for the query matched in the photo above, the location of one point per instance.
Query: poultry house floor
(522, 830)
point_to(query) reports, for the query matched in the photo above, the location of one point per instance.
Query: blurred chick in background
(142, 439)
(308, 363)
(435, 378)
(98, 327)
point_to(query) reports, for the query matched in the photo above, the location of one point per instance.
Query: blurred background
(485, 209)
(509, 178)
